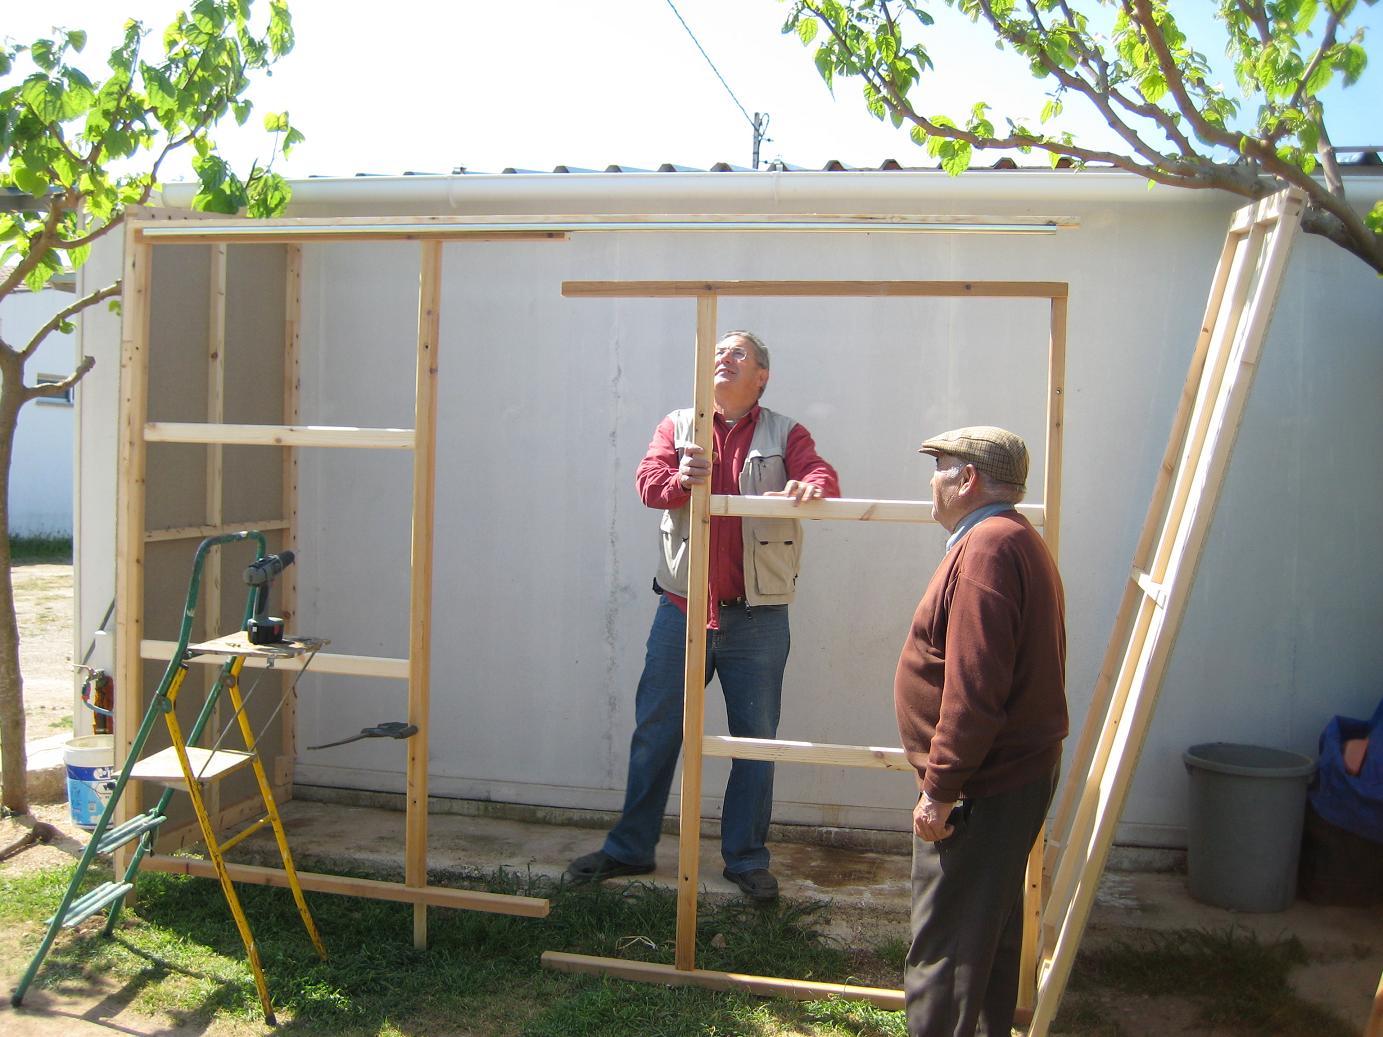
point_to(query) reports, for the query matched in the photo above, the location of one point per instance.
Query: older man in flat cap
(981, 703)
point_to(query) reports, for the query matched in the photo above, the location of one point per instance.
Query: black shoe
(599, 866)
(758, 884)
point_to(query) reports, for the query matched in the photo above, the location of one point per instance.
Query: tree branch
(63, 314)
(1256, 14)
(1129, 135)
(47, 390)
(38, 247)
(1366, 244)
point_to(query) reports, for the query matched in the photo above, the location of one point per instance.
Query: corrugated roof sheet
(1358, 159)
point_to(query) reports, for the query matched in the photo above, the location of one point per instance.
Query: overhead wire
(687, 27)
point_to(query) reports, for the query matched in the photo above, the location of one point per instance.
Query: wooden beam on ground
(763, 986)
(817, 289)
(777, 750)
(278, 435)
(374, 889)
(420, 575)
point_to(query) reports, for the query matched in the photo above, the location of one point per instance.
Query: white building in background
(544, 555)
(41, 470)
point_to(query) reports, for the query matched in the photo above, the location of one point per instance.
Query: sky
(431, 86)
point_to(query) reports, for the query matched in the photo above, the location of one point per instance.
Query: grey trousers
(961, 974)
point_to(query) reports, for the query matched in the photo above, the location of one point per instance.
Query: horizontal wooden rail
(278, 435)
(375, 889)
(780, 751)
(557, 227)
(200, 532)
(763, 986)
(322, 662)
(842, 508)
(1154, 590)
(833, 289)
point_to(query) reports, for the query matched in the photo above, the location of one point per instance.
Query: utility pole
(760, 133)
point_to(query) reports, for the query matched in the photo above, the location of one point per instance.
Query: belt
(729, 603)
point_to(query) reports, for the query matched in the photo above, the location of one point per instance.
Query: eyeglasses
(735, 353)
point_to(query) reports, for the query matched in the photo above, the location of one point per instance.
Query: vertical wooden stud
(694, 697)
(292, 412)
(129, 533)
(420, 589)
(1051, 532)
(215, 470)
(1056, 428)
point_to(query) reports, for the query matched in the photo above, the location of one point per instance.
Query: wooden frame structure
(704, 505)
(1185, 496)
(151, 230)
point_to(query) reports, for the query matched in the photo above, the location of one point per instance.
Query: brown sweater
(981, 685)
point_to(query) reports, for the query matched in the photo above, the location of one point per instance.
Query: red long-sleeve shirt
(660, 487)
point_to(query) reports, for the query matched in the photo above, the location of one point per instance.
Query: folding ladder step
(207, 765)
(89, 903)
(129, 831)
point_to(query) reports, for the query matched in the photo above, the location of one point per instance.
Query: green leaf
(806, 30)
(77, 39)
(280, 28)
(955, 157)
(1051, 109)
(44, 96)
(40, 275)
(268, 196)
(824, 67)
(276, 122)
(44, 54)
(1374, 218)
(26, 179)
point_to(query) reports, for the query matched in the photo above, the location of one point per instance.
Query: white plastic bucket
(90, 764)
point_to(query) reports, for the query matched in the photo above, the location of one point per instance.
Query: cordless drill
(263, 628)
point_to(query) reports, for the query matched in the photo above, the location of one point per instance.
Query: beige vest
(772, 547)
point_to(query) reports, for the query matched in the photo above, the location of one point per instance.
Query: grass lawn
(177, 957)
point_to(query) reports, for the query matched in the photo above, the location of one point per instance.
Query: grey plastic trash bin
(1243, 838)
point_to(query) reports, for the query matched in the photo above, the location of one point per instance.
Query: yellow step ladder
(184, 766)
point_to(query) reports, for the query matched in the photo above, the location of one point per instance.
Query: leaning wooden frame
(1242, 295)
(149, 230)
(704, 505)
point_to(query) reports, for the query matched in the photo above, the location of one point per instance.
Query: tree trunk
(14, 761)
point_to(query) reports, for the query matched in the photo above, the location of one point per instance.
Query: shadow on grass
(178, 955)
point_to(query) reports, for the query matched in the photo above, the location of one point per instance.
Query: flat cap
(997, 452)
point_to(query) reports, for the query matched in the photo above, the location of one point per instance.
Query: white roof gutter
(1000, 192)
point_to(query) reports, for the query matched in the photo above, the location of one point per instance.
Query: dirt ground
(43, 603)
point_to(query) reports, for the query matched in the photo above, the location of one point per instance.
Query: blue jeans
(749, 652)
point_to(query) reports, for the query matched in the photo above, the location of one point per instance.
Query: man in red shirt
(980, 695)
(753, 575)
